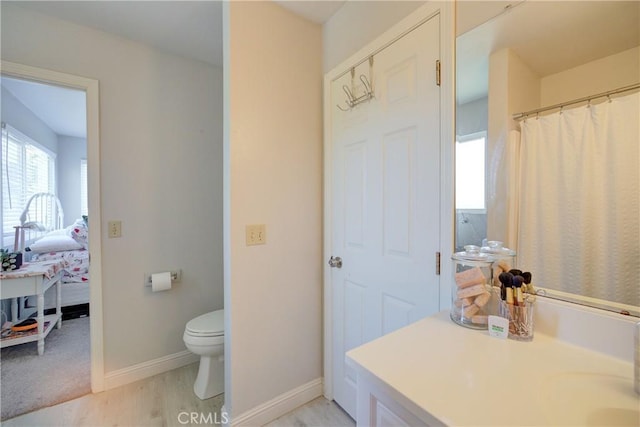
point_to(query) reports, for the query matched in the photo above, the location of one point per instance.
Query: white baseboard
(148, 369)
(286, 402)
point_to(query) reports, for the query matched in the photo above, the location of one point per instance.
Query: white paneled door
(385, 197)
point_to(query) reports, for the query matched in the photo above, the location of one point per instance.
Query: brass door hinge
(438, 72)
(437, 263)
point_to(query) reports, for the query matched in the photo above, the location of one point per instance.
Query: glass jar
(471, 297)
(504, 259)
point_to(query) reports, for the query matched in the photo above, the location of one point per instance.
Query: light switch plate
(256, 234)
(114, 229)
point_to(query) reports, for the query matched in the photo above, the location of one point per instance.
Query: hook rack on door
(353, 100)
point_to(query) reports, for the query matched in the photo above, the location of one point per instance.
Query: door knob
(335, 262)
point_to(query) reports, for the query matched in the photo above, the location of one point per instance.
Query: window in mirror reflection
(470, 192)
(470, 151)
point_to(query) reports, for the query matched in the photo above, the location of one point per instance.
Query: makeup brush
(517, 283)
(505, 280)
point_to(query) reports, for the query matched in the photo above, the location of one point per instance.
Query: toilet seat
(207, 325)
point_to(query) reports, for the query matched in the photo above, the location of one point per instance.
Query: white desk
(34, 279)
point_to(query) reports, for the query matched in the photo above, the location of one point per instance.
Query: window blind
(27, 168)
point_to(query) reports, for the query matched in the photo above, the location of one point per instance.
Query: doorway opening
(50, 146)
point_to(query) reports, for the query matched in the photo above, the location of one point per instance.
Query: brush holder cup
(471, 297)
(520, 319)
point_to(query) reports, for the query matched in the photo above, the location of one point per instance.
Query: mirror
(514, 57)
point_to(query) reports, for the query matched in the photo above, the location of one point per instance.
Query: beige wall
(273, 150)
(601, 75)
(513, 87)
(161, 175)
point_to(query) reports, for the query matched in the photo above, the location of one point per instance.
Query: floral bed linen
(77, 264)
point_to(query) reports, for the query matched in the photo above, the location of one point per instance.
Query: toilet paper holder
(175, 277)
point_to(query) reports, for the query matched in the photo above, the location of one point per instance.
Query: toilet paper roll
(161, 281)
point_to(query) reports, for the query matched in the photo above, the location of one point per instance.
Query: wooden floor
(317, 413)
(165, 400)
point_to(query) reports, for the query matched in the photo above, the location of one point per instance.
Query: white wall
(601, 75)
(472, 117)
(273, 150)
(161, 175)
(71, 151)
(18, 116)
(357, 23)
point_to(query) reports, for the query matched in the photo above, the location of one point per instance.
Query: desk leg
(40, 319)
(14, 310)
(59, 303)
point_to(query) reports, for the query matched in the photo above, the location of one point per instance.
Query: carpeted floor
(29, 382)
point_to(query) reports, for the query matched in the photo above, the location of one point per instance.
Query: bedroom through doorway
(45, 218)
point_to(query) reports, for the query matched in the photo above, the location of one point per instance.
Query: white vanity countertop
(461, 376)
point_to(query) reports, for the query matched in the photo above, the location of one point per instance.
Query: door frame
(91, 88)
(446, 9)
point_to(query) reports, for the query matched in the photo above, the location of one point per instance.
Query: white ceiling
(318, 11)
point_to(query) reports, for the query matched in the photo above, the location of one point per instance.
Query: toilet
(204, 336)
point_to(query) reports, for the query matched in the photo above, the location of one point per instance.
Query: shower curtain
(579, 209)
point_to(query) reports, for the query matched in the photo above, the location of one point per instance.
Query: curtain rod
(520, 116)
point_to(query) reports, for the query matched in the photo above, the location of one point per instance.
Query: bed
(42, 237)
